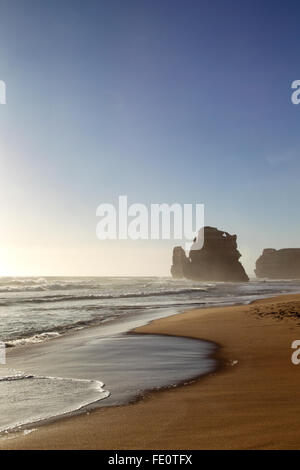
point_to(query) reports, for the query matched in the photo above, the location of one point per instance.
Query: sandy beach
(251, 402)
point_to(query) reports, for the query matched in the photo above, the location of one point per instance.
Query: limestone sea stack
(279, 264)
(217, 260)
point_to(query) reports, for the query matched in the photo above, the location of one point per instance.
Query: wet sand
(251, 402)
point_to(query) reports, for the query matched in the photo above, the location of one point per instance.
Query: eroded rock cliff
(279, 264)
(217, 260)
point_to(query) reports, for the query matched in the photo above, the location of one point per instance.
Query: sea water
(57, 363)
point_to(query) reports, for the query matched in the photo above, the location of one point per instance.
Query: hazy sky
(165, 101)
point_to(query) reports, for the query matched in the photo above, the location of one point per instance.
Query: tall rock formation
(279, 264)
(217, 260)
(180, 263)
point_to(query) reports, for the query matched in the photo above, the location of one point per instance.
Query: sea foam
(30, 398)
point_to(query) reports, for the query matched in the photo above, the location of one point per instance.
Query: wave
(21, 376)
(40, 336)
(71, 298)
(48, 284)
(36, 338)
(44, 287)
(47, 397)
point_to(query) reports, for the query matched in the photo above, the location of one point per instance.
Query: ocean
(68, 346)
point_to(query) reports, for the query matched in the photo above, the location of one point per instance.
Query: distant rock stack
(217, 260)
(279, 264)
(180, 263)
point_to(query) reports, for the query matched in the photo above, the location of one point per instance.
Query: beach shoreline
(232, 407)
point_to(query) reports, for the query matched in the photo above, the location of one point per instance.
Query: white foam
(38, 338)
(31, 398)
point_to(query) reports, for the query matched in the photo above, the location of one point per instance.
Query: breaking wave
(73, 298)
(33, 310)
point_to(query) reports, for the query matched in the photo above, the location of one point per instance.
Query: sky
(162, 101)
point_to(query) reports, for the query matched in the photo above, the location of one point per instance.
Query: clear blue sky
(164, 101)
